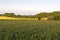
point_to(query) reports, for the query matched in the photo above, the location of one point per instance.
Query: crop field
(30, 30)
(14, 19)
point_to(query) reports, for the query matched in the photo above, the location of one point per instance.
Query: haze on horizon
(29, 7)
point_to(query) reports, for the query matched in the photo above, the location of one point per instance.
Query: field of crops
(13, 18)
(30, 30)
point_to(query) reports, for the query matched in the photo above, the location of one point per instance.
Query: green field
(30, 30)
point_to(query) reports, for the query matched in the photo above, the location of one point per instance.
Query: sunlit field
(7, 18)
(12, 18)
(30, 30)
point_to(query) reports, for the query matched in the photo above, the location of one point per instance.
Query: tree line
(51, 16)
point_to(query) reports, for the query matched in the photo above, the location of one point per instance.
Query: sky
(29, 7)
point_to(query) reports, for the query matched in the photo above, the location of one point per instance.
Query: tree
(43, 14)
(9, 14)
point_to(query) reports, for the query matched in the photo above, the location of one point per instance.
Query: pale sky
(29, 7)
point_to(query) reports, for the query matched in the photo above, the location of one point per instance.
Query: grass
(30, 30)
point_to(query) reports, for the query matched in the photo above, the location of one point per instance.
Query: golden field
(12, 18)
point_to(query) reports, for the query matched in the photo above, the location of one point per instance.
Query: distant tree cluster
(51, 16)
(17, 16)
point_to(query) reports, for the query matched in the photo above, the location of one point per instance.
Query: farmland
(30, 30)
(12, 18)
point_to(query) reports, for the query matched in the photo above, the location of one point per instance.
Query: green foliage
(54, 18)
(9, 14)
(51, 16)
(29, 30)
(43, 14)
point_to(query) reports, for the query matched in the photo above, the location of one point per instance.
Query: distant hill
(50, 16)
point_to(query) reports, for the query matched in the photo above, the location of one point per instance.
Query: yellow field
(44, 18)
(11, 18)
